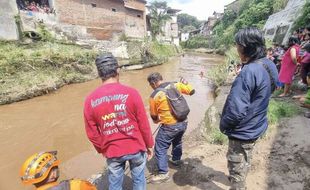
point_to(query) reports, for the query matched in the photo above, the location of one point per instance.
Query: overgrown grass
(162, 50)
(28, 67)
(279, 109)
(150, 51)
(195, 42)
(218, 74)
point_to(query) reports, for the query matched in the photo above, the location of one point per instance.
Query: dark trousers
(305, 69)
(239, 158)
(166, 136)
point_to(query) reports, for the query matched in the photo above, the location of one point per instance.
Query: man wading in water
(244, 117)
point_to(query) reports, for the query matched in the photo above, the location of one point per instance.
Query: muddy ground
(281, 161)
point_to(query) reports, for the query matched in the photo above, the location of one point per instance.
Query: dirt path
(281, 161)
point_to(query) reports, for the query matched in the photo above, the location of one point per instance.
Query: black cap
(106, 65)
(106, 59)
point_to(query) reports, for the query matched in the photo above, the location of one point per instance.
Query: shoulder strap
(272, 80)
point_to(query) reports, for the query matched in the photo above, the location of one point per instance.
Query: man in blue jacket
(244, 117)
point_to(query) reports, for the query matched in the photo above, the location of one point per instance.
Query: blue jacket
(244, 114)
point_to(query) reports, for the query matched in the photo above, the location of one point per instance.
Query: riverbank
(32, 69)
(280, 161)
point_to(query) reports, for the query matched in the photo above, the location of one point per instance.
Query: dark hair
(308, 27)
(308, 74)
(292, 41)
(270, 49)
(107, 66)
(154, 78)
(307, 47)
(252, 41)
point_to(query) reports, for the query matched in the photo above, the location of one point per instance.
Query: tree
(304, 19)
(185, 20)
(158, 17)
(188, 28)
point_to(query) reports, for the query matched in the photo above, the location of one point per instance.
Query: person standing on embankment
(172, 125)
(117, 125)
(244, 117)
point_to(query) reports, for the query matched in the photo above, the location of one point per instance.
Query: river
(55, 121)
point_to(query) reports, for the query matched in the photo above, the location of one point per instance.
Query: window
(139, 16)
(113, 9)
(93, 5)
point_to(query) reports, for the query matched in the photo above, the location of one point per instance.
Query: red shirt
(116, 121)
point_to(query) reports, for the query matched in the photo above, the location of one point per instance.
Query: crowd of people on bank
(117, 125)
(293, 63)
(34, 6)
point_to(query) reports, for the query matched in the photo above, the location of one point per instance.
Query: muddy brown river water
(55, 121)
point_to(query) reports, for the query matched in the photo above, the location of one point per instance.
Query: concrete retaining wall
(8, 27)
(278, 26)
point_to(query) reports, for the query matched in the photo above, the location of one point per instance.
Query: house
(96, 19)
(170, 29)
(184, 36)
(207, 27)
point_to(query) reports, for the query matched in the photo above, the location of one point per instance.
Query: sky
(201, 9)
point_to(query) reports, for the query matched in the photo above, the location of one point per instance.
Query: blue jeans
(116, 167)
(167, 135)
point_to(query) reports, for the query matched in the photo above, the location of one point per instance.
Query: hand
(182, 80)
(149, 153)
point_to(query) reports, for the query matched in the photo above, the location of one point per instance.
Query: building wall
(8, 27)
(135, 23)
(103, 18)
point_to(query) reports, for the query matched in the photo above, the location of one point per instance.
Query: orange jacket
(159, 106)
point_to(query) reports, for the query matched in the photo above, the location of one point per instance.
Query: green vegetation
(280, 109)
(304, 19)
(151, 52)
(45, 35)
(278, 5)
(252, 13)
(158, 17)
(27, 70)
(195, 42)
(162, 51)
(218, 74)
(215, 136)
(188, 22)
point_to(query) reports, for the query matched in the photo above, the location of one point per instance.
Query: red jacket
(116, 121)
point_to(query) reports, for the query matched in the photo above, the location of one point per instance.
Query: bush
(195, 42)
(304, 19)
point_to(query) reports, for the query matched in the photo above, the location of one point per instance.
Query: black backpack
(177, 103)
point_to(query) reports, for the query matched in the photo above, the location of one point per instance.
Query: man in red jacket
(117, 125)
